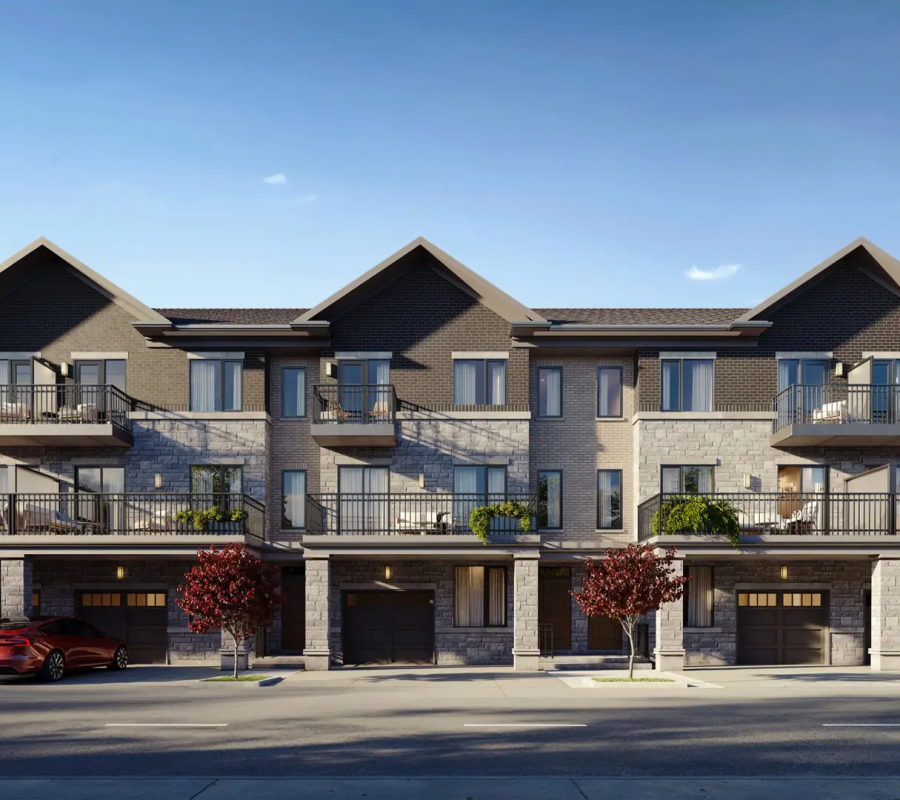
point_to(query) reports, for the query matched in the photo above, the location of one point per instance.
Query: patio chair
(380, 410)
(835, 412)
(14, 412)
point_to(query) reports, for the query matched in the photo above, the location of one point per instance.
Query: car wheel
(120, 659)
(54, 666)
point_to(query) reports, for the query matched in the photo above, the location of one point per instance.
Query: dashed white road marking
(166, 725)
(522, 725)
(861, 724)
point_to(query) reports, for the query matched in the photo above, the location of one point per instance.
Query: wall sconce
(747, 480)
(783, 572)
(387, 572)
(157, 481)
(421, 480)
(64, 369)
(120, 573)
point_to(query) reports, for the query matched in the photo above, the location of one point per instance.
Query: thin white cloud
(305, 200)
(277, 178)
(717, 274)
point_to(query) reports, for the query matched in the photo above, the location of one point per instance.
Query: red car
(50, 646)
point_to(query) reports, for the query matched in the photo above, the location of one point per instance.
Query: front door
(293, 610)
(604, 634)
(555, 607)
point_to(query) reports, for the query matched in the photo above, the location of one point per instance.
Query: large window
(475, 486)
(609, 499)
(216, 479)
(364, 501)
(109, 371)
(698, 598)
(365, 388)
(688, 480)
(609, 391)
(216, 385)
(293, 489)
(549, 391)
(479, 382)
(549, 499)
(16, 378)
(479, 597)
(687, 384)
(293, 392)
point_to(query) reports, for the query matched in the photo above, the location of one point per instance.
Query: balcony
(69, 415)
(785, 514)
(163, 514)
(354, 415)
(406, 514)
(837, 414)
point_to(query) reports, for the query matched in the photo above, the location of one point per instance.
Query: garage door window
(803, 600)
(757, 599)
(147, 599)
(101, 599)
(479, 597)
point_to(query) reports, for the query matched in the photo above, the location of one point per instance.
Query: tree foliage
(627, 584)
(694, 513)
(231, 589)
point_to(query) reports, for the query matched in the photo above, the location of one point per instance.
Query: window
(550, 392)
(758, 599)
(15, 374)
(216, 485)
(609, 391)
(687, 384)
(479, 382)
(110, 371)
(216, 385)
(801, 371)
(4, 480)
(365, 386)
(101, 599)
(688, 480)
(609, 499)
(698, 598)
(364, 499)
(549, 499)
(475, 486)
(147, 600)
(293, 483)
(479, 597)
(293, 392)
(802, 599)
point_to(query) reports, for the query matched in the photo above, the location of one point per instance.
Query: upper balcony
(837, 414)
(64, 415)
(354, 415)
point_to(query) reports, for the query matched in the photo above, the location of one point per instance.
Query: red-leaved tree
(230, 589)
(627, 584)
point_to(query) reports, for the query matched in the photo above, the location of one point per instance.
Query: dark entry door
(293, 609)
(388, 627)
(140, 618)
(782, 627)
(604, 634)
(555, 605)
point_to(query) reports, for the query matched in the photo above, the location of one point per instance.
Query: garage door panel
(388, 627)
(143, 628)
(783, 633)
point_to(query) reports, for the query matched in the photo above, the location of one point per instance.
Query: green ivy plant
(201, 519)
(694, 513)
(480, 518)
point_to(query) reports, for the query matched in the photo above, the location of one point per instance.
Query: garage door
(388, 627)
(139, 618)
(782, 627)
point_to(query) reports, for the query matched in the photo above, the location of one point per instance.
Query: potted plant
(214, 518)
(480, 518)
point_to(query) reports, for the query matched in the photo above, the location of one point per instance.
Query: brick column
(526, 652)
(317, 654)
(669, 620)
(15, 587)
(885, 650)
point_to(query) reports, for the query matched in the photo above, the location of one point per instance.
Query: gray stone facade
(886, 614)
(525, 624)
(318, 614)
(16, 587)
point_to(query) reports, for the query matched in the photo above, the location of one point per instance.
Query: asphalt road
(418, 723)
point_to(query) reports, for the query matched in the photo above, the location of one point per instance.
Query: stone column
(226, 653)
(15, 587)
(885, 650)
(669, 621)
(317, 654)
(526, 651)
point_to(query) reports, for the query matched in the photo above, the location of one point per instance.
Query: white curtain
(670, 397)
(4, 480)
(351, 485)
(380, 376)
(205, 392)
(671, 480)
(468, 597)
(700, 597)
(233, 372)
(698, 380)
(496, 484)
(295, 499)
(609, 393)
(466, 379)
(376, 488)
(550, 388)
(496, 596)
(704, 480)
(496, 371)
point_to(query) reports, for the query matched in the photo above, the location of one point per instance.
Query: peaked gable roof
(471, 282)
(886, 272)
(139, 311)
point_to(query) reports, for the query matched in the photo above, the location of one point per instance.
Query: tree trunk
(237, 643)
(629, 632)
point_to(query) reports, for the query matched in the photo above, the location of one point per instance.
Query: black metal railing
(783, 513)
(398, 514)
(836, 404)
(64, 404)
(129, 513)
(337, 404)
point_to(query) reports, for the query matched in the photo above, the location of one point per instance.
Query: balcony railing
(64, 404)
(785, 513)
(406, 514)
(336, 404)
(837, 404)
(130, 513)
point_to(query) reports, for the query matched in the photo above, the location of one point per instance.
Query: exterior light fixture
(157, 481)
(747, 479)
(387, 572)
(421, 480)
(783, 572)
(120, 572)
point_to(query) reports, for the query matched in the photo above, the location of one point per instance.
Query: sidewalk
(452, 789)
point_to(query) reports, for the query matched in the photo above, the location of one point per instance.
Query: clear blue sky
(573, 153)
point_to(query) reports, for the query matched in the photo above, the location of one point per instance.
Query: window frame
(300, 398)
(102, 365)
(561, 409)
(681, 409)
(487, 595)
(621, 526)
(681, 468)
(284, 520)
(621, 413)
(484, 362)
(221, 468)
(485, 468)
(549, 527)
(221, 362)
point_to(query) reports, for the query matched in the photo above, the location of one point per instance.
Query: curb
(245, 684)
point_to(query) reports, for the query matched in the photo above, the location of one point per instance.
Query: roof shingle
(232, 316)
(641, 316)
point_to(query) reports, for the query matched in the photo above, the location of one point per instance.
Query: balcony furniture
(423, 522)
(83, 412)
(354, 415)
(381, 410)
(835, 412)
(14, 412)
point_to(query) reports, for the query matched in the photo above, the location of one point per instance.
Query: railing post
(12, 514)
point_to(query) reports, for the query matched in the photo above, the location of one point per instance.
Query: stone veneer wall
(58, 581)
(845, 580)
(452, 645)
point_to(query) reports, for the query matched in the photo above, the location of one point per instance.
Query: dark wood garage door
(782, 627)
(139, 618)
(388, 627)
